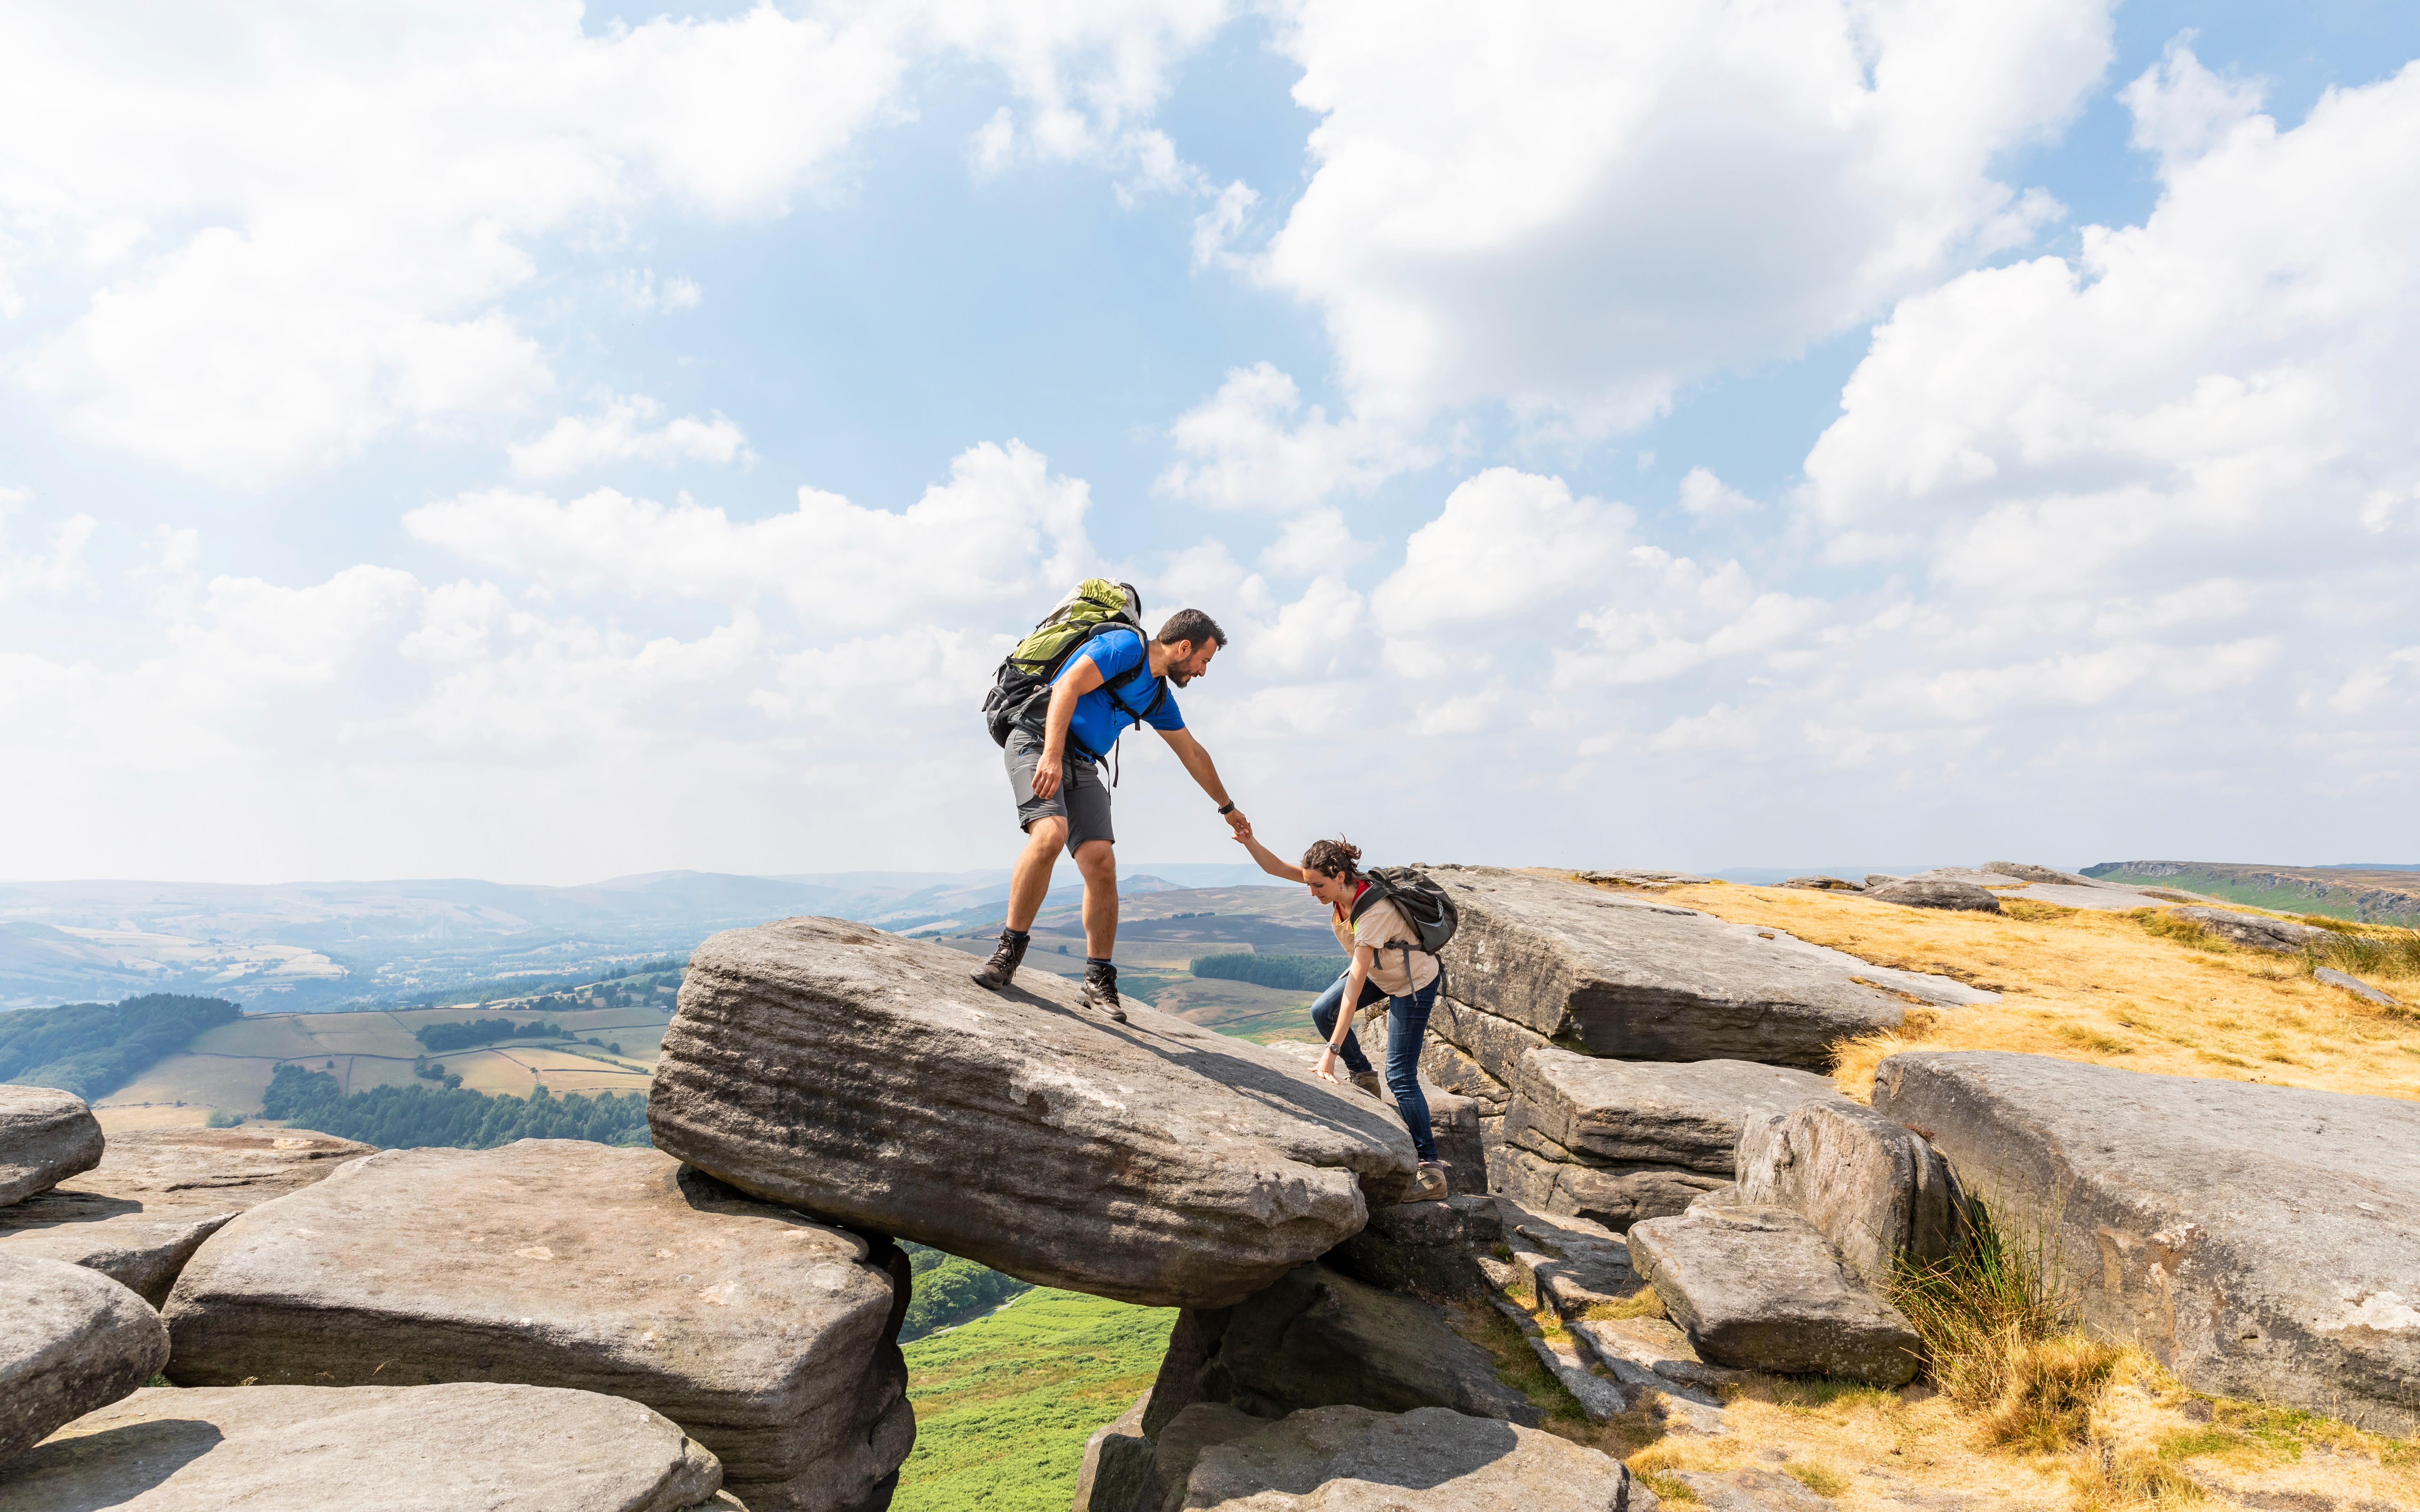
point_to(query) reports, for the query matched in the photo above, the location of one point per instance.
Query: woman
(1386, 962)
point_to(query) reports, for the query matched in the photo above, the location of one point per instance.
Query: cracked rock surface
(866, 1078)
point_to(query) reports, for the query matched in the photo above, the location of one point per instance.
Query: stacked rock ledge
(771, 1339)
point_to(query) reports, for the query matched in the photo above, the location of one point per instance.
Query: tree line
(1291, 973)
(93, 1049)
(406, 1117)
(443, 1036)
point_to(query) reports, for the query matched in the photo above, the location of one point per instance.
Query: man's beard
(1180, 678)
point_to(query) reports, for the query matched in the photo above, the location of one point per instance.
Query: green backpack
(1020, 689)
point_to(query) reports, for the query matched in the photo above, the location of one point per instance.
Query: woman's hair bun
(1338, 858)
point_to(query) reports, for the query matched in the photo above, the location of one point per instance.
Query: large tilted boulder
(866, 1078)
(1617, 1141)
(1937, 892)
(1350, 1459)
(71, 1342)
(46, 1136)
(139, 1216)
(1608, 973)
(1760, 1289)
(1874, 1187)
(306, 1449)
(1318, 1338)
(768, 1336)
(2257, 1240)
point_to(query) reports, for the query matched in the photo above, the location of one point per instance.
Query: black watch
(1228, 807)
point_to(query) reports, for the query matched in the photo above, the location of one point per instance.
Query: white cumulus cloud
(624, 430)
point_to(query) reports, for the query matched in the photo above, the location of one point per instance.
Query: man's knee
(1048, 833)
(1095, 859)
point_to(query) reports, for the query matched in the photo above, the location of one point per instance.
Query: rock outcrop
(768, 1336)
(866, 1078)
(305, 1449)
(1873, 1187)
(2259, 930)
(46, 1135)
(1617, 1141)
(71, 1342)
(1429, 1249)
(139, 1216)
(1320, 1338)
(1760, 1289)
(1608, 973)
(2258, 1241)
(1349, 1459)
(1117, 1460)
(1937, 892)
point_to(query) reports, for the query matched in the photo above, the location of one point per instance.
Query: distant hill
(2377, 895)
(317, 946)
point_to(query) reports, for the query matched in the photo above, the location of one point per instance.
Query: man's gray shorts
(1082, 798)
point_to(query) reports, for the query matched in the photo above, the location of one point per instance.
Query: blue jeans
(1408, 1020)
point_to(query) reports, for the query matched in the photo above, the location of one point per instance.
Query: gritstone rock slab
(2259, 1241)
(1750, 1490)
(46, 1135)
(1760, 1289)
(2257, 930)
(1686, 1114)
(1612, 974)
(1318, 1338)
(1179, 1449)
(71, 1342)
(1614, 1195)
(1348, 1459)
(1429, 1249)
(158, 1193)
(397, 1449)
(2355, 986)
(1117, 1460)
(1872, 1184)
(769, 1337)
(863, 1077)
(1937, 892)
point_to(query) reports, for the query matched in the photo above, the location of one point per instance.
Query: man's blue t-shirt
(1097, 722)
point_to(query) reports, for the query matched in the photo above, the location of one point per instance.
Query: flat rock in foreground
(1615, 974)
(769, 1337)
(139, 1216)
(1760, 1289)
(1656, 1112)
(46, 1135)
(460, 1448)
(71, 1341)
(2260, 1242)
(866, 1078)
(1350, 1459)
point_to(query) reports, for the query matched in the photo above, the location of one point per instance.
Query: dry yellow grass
(2108, 988)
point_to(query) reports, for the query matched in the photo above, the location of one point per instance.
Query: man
(1063, 802)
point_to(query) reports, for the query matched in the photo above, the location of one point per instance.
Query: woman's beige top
(1380, 924)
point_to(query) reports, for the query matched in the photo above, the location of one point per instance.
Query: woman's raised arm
(1266, 857)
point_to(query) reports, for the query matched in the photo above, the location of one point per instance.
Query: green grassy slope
(1004, 1404)
(2372, 897)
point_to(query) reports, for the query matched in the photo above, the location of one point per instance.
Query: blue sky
(1616, 435)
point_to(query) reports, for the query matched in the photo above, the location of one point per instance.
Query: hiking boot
(1368, 1081)
(1428, 1182)
(1101, 992)
(1004, 961)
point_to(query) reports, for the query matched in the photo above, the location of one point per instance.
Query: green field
(1004, 1404)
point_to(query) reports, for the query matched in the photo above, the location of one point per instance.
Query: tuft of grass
(2090, 1039)
(2376, 950)
(1640, 1303)
(2190, 932)
(1998, 1342)
(2199, 1442)
(1667, 1486)
(1819, 1479)
(2114, 1480)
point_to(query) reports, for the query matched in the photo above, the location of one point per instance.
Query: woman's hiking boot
(1428, 1182)
(1101, 992)
(1368, 1081)
(1004, 960)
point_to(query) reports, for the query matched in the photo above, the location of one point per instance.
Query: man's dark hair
(1191, 624)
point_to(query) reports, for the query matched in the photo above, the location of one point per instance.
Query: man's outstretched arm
(1197, 761)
